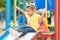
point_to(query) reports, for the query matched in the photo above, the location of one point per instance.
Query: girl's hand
(15, 6)
(21, 10)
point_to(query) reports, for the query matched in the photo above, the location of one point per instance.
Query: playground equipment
(8, 16)
(8, 19)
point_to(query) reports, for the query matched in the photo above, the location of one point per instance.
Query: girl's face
(30, 11)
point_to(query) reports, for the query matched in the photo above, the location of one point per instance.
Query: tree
(2, 3)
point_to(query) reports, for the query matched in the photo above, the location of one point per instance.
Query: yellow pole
(15, 14)
(46, 12)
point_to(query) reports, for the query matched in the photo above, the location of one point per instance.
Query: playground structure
(8, 16)
(9, 23)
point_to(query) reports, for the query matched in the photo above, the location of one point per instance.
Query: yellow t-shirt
(33, 20)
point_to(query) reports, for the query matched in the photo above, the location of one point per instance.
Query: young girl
(33, 20)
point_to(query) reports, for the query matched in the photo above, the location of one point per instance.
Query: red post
(56, 27)
(59, 19)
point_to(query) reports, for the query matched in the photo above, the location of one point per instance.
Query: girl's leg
(11, 31)
(22, 31)
(14, 33)
(18, 36)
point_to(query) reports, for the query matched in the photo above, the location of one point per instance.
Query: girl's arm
(39, 20)
(22, 11)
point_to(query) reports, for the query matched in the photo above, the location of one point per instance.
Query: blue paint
(50, 4)
(21, 19)
(40, 4)
(18, 12)
(7, 14)
(24, 5)
(4, 35)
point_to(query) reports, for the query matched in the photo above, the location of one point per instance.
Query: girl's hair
(31, 6)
